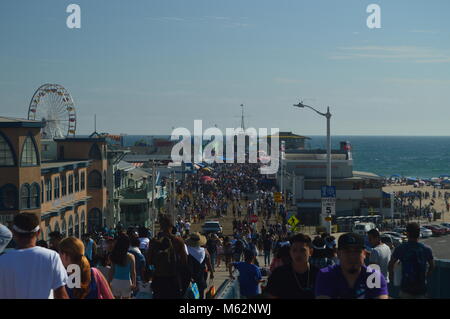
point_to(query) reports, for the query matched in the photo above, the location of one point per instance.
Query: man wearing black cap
(30, 271)
(414, 258)
(351, 279)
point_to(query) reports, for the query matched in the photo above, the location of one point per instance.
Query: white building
(357, 193)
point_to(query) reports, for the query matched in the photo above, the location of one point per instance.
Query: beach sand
(439, 204)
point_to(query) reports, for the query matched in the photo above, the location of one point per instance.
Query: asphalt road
(440, 246)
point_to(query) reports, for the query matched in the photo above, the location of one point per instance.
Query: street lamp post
(328, 117)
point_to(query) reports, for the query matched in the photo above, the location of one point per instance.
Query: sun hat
(196, 240)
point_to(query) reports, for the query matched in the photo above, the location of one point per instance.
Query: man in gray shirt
(380, 254)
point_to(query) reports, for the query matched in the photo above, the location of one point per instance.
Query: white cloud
(218, 18)
(418, 82)
(393, 53)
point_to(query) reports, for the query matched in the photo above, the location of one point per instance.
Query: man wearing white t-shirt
(30, 271)
(380, 254)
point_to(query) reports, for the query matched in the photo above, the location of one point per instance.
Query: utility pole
(172, 198)
(293, 188)
(153, 217)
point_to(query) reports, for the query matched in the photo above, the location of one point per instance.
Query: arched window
(83, 181)
(49, 230)
(70, 184)
(77, 181)
(95, 179)
(95, 153)
(25, 197)
(64, 228)
(63, 185)
(104, 178)
(29, 153)
(35, 195)
(94, 220)
(42, 191)
(6, 152)
(56, 188)
(70, 226)
(56, 227)
(83, 223)
(8, 197)
(48, 190)
(77, 227)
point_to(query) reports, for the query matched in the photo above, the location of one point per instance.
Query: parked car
(212, 227)
(446, 225)
(425, 232)
(437, 231)
(446, 229)
(400, 237)
(386, 238)
(363, 228)
(400, 230)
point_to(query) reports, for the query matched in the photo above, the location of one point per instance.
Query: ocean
(408, 156)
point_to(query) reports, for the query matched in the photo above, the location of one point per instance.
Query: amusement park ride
(54, 106)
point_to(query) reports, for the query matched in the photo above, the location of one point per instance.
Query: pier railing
(438, 286)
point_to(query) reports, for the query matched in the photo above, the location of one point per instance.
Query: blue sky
(145, 66)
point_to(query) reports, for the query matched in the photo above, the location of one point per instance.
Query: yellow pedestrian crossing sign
(293, 221)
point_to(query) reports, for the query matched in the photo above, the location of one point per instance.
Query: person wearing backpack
(198, 261)
(238, 250)
(414, 258)
(168, 256)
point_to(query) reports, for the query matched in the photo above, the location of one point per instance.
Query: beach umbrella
(395, 175)
(206, 179)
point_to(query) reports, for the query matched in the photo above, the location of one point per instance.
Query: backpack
(413, 271)
(239, 247)
(164, 258)
(197, 271)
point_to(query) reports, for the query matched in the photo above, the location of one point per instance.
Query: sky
(148, 66)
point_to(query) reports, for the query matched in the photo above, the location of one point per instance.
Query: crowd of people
(178, 263)
(318, 269)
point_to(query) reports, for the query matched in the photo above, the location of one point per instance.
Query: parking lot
(440, 246)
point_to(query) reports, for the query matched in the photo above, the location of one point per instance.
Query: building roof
(81, 138)
(286, 135)
(311, 157)
(17, 122)
(138, 174)
(366, 175)
(59, 166)
(123, 165)
(145, 158)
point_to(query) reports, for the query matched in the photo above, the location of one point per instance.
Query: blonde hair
(74, 248)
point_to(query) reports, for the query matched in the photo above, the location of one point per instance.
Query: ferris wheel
(54, 106)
